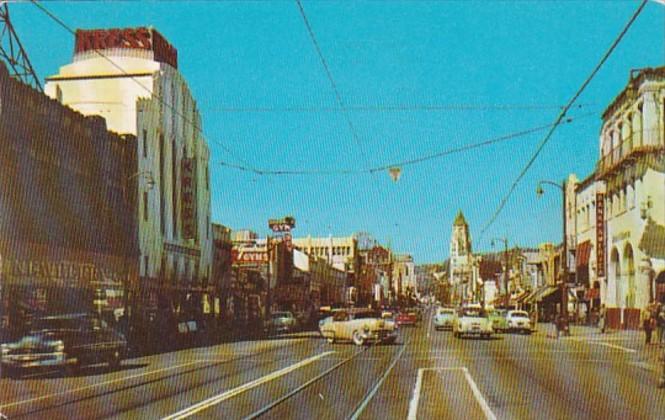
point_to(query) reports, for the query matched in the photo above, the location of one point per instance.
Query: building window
(145, 206)
(145, 143)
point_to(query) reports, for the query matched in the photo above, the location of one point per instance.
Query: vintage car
(407, 317)
(498, 319)
(519, 321)
(360, 326)
(282, 322)
(443, 319)
(471, 321)
(64, 341)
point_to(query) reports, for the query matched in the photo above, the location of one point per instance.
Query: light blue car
(443, 319)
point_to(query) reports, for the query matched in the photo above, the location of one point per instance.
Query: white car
(519, 321)
(359, 326)
(443, 319)
(472, 321)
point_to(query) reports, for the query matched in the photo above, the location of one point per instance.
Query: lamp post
(505, 261)
(564, 259)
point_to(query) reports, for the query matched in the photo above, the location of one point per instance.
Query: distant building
(461, 269)
(404, 277)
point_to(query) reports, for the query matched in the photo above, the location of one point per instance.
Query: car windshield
(368, 314)
(519, 314)
(446, 312)
(282, 315)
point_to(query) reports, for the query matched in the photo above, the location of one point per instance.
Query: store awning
(652, 242)
(582, 253)
(543, 293)
(521, 297)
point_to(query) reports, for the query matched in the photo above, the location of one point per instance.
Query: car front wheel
(358, 339)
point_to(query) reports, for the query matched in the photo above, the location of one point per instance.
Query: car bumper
(379, 336)
(35, 361)
(476, 332)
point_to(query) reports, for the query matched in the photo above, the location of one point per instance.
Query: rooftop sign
(127, 38)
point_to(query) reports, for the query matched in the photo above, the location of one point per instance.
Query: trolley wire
(560, 118)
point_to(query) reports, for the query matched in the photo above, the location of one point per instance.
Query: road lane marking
(84, 388)
(207, 403)
(429, 330)
(417, 389)
(374, 390)
(600, 343)
(415, 399)
(479, 396)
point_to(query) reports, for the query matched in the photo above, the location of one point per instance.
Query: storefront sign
(282, 225)
(600, 235)
(249, 257)
(127, 38)
(188, 198)
(59, 273)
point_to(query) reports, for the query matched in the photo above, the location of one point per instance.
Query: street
(427, 374)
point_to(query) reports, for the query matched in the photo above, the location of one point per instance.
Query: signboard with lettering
(240, 256)
(285, 224)
(188, 199)
(600, 235)
(127, 38)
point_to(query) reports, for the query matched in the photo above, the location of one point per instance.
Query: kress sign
(128, 38)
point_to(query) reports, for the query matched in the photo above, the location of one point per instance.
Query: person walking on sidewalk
(660, 321)
(648, 324)
(601, 318)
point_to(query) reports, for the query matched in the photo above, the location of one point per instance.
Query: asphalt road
(427, 374)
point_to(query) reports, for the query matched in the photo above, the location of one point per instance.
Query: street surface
(427, 374)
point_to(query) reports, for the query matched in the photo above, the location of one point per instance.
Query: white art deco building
(131, 78)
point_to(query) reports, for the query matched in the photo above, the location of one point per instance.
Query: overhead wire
(414, 161)
(561, 116)
(161, 100)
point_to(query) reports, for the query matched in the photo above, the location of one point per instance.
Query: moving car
(498, 319)
(472, 321)
(519, 321)
(407, 317)
(281, 322)
(443, 319)
(360, 326)
(64, 340)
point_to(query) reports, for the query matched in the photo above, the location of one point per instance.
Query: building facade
(139, 90)
(632, 167)
(461, 268)
(68, 242)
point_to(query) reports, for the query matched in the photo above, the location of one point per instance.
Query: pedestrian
(648, 325)
(660, 325)
(602, 321)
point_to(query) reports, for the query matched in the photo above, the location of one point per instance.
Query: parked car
(61, 341)
(359, 326)
(519, 321)
(498, 319)
(472, 321)
(407, 317)
(443, 319)
(282, 322)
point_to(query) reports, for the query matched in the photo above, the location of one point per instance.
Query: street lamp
(564, 260)
(505, 261)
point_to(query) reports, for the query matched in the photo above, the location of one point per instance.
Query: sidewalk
(631, 339)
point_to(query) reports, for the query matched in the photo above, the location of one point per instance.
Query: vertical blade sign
(188, 199)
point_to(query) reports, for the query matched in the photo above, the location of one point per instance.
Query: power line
(141, 85)
(392, 108)
(561, 115)
(414, 161)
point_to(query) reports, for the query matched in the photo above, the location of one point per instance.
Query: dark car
(64, 341)
(407, 317)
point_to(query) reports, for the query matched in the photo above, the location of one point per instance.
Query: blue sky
(240, 56)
